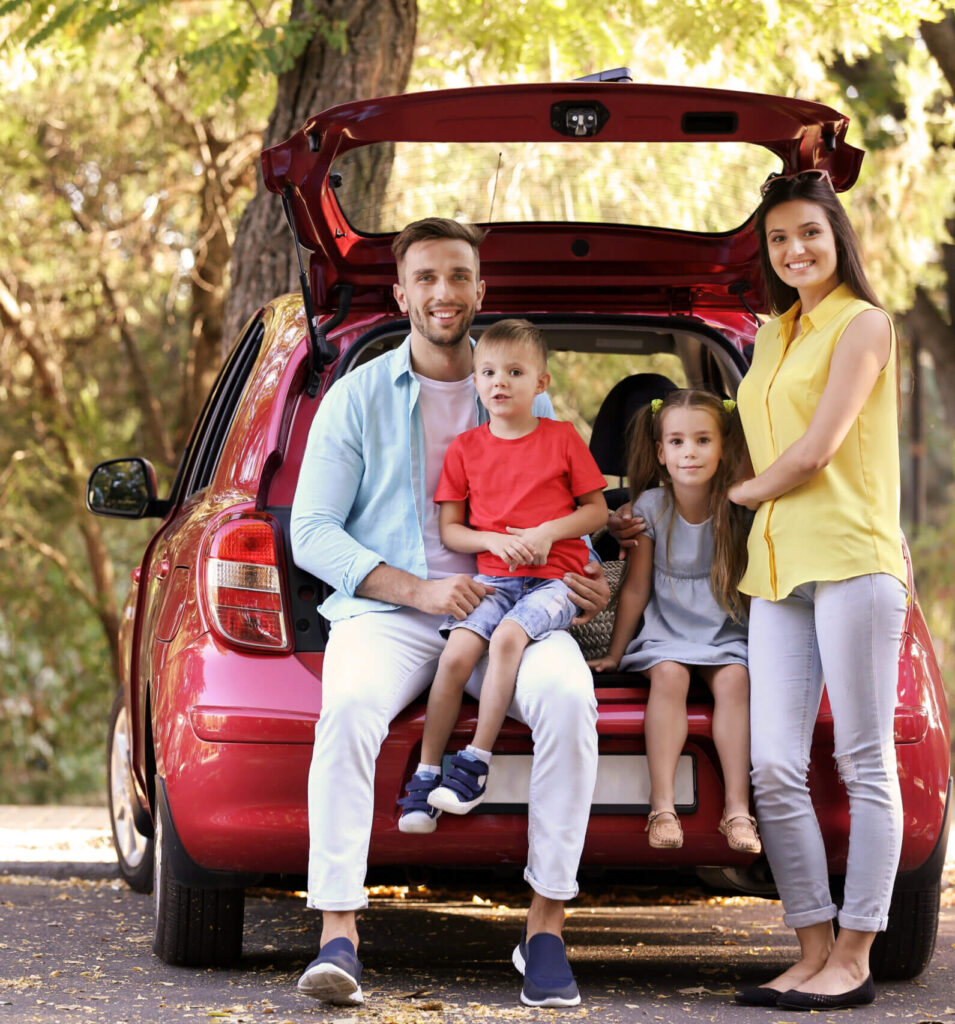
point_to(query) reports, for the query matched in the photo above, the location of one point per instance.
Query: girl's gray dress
(683, 621)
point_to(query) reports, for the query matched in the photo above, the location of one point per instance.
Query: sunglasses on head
(813, 174)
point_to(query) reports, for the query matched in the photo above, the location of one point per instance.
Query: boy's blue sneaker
(417, 814)
(334, 976)
(548, 979)
(462, 785)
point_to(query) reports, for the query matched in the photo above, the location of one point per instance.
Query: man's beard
(425, 327)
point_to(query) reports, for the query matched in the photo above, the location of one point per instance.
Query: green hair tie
(728, 404)
(655, 405)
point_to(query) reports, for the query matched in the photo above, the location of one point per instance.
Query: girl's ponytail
(643, 468)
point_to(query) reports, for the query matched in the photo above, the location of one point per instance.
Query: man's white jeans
(375, 665)
(848, 633)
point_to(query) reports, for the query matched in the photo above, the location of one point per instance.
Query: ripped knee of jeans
(847, 768)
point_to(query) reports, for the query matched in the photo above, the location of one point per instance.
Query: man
(364, 520)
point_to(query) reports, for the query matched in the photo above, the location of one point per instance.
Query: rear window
(710, 187)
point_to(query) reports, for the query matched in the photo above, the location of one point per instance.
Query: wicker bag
(594, 637)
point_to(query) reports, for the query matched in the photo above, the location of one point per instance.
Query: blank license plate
(623, 784)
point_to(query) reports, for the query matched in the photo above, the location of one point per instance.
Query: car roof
(556, 263)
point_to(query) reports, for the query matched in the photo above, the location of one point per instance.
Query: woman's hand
(625, 528)
(589, 591)
(739, 495)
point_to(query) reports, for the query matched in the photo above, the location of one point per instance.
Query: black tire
(905, 948)
(194, 927)
(134, 851)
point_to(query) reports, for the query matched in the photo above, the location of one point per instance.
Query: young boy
(519, 492)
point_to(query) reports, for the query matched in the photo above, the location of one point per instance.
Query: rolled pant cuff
(809, 917)
(863, 924)
(546, 891)
(315, 903)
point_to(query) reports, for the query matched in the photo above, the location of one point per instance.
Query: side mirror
(125, 488)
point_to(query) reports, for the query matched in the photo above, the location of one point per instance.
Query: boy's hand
(625, 528)
(512, 551)
(604, 664)
(537, 540)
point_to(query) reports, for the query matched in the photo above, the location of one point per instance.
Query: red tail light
(244, 585)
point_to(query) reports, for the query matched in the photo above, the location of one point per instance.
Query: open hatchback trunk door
(641, 194)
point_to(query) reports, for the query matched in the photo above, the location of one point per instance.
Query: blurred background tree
(129, 137)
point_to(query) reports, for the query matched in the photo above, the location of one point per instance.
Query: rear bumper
(238, 797)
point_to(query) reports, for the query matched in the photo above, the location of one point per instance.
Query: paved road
(77, 951)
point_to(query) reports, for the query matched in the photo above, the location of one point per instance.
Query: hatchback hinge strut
(739, 289)
(320, 351)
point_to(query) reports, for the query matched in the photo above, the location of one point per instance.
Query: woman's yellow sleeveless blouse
(844, 522)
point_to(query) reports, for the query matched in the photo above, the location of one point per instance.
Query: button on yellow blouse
(844, 522)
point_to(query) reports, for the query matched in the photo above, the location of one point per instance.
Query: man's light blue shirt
(361, 497)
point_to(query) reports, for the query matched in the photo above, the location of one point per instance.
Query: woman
(827, 579)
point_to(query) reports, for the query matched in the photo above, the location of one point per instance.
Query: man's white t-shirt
(447, 409)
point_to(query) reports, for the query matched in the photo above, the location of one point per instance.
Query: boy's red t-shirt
(522, 482)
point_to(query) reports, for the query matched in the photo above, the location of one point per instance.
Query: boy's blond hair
(515, 331)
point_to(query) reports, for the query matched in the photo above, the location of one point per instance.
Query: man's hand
(454, 595)
(590, 591)
(625, 528)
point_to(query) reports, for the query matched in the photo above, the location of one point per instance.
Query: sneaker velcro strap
(417, 790)
(466, 776)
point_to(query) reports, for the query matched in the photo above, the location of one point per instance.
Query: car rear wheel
(194, 926)
(905, 948)
(134, 851)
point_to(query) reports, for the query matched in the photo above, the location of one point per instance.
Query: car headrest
(608, 442)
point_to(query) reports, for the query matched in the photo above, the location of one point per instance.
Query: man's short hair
(515, 331)
(433, 228)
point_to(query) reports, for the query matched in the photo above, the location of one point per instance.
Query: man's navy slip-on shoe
(334, 976)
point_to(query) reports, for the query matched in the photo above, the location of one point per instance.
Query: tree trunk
(936, 331)
(377, 62)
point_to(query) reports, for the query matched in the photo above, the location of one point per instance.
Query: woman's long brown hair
(730, 522)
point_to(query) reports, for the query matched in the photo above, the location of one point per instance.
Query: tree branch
(57, 557)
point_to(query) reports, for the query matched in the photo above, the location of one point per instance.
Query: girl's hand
(604, 664)
(738, 495)
(537, 539)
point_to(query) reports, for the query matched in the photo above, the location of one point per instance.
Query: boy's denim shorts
(538, 606)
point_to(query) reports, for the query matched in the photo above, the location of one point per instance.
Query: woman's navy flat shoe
(758, 995)
(796, 1000)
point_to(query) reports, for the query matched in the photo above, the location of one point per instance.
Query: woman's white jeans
(845, 634)
(375, 665)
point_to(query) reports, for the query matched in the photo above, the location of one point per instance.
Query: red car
(620, 219)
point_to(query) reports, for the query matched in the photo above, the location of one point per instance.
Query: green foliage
(116, 116)
(224, 50)
(764, 40)
(101, 155)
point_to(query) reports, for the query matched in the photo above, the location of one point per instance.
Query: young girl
(682, 578)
